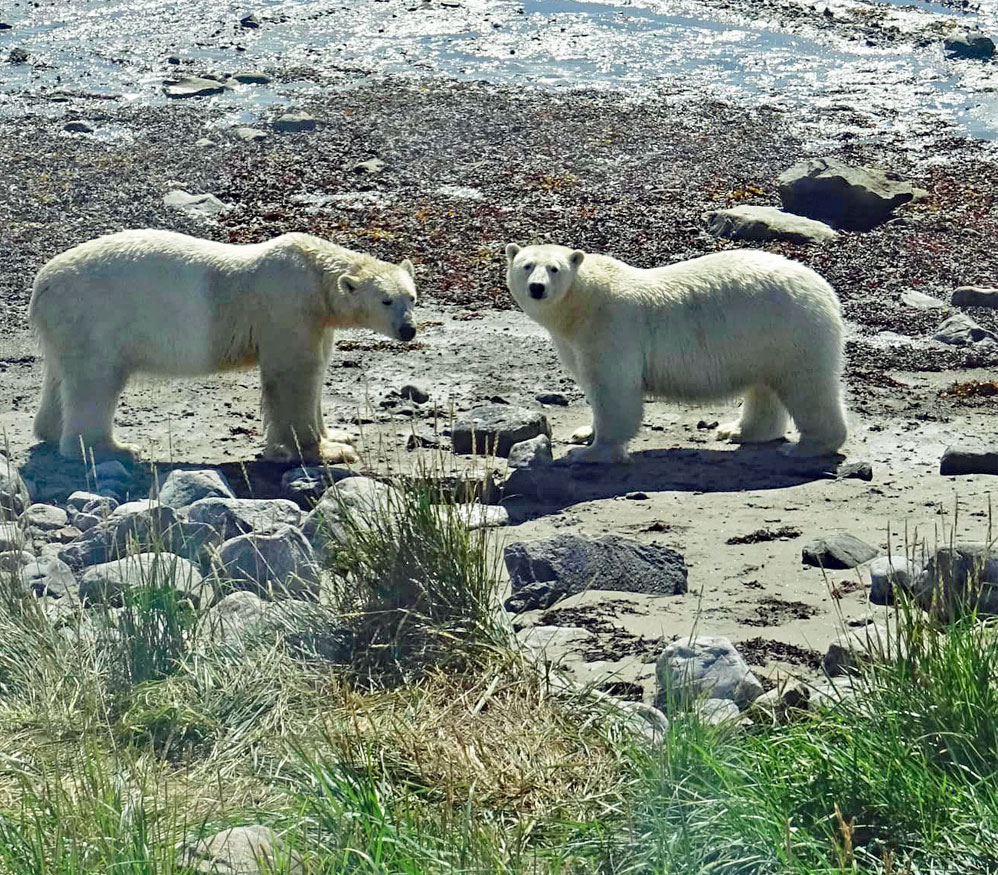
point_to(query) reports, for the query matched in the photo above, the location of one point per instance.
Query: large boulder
(766, 223)
(543, 571)
(969, 44)
(957, 579)
(349, 504)
(856, 648)
(838, 551)
(183, 488)
(847, 197)
(241, 850)
(193, 86)
(890, 573)
(277, 564)
(706, 668)
(975, 296)
(965, 459)
(496, 428)
(240, 516)
(107, 583)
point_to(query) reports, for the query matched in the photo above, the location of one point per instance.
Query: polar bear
(168, 304)
(737, 322)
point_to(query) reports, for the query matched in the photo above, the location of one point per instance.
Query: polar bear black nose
(536, 290)
(407, 332)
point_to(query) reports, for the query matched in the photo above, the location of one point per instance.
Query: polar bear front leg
(292, 415)
(616, 419)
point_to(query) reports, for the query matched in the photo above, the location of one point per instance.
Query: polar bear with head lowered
(737, 322)
(164, 303)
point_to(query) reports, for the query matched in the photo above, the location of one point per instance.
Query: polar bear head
(539, 277)
(382, 297)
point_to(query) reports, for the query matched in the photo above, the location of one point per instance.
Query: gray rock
(957, 579)
(13, 537)
(183, 488)
(44, 518)
(138, 524)
(920, 301)
(17, 55)
(78, 127)
(196, 542)
(233, 617)
(280, 564)
(85, 521)
(531, 453)
(962, 459)
(716, 712)
(706, 668)
(112, 471)
(371, 167)
(554, 399)
(888, 572)
(646, 720)
(766, 223)
(240, 516)
(49, 576)
(783, 703)
(199, 206)
(193, 86)
(107, 583)
(960, 330)
(14, 496)
(495, 428)
(248, 77)
(295, 122)
(486, 516)
(545, 639)
(857, 648)
(851, 198)
(543, 571)
(975, 296)
(345, 506)
(91, 502)
(855, 471)
(838, 551)
(969, 44)
(250, 135)
(416, 394)
(241, 850)
(305, 485)
(249, 21)
(14, 560)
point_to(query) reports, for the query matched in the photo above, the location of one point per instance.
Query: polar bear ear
(511, 251)
(408, 268)
(349, 284)
(575, 259)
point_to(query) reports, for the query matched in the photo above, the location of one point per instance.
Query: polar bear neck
(331, 262)
(595, 283)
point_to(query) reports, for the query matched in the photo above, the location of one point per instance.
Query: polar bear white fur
(737, 322)
(164, 303)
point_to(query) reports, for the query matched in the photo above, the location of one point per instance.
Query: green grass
(435, 747)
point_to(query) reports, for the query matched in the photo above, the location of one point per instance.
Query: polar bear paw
(582, 435)
(599, 454)
(105, 452)
(338, 436)
(337, 453)
(807, 450)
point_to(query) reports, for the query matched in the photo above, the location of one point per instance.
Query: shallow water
(121, 48)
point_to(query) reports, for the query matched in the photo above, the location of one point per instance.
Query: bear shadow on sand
(51, 478)
(535, 491)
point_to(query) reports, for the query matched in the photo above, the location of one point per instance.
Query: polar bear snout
(537, 290)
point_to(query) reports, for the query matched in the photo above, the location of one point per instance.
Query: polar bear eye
(554, 270)
(528, 267)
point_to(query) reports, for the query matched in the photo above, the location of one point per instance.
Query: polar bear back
(711, 326)
(165, 302)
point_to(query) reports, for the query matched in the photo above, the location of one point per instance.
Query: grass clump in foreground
(431, 746)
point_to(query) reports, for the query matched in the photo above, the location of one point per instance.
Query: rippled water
(121, 47)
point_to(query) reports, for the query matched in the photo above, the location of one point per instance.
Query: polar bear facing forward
(737, 322)
(168, 304)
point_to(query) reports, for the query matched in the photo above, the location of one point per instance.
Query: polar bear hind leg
(819, 413)
(763, 418)
(48, 419)
(89, 399)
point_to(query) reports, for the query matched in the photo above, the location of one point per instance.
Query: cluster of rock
(820, 197)
(241, 560)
